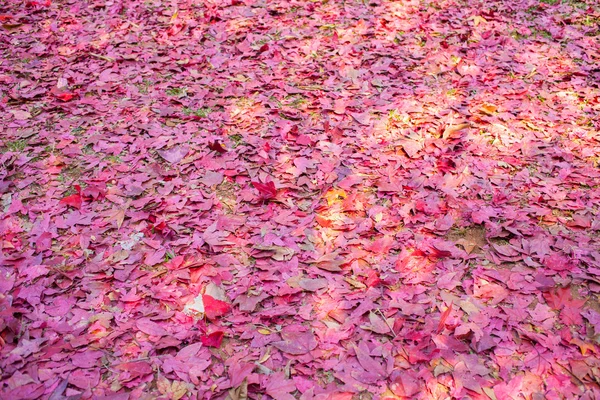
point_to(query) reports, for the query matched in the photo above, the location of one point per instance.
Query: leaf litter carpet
(299, 199)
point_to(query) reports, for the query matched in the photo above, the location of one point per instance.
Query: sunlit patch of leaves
(394, 116)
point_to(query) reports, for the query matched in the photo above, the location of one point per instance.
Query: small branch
(105, 58)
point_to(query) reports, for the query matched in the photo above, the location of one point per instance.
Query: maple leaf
(296, 342)
(33, 3)
(118, 216)
(240, 392)
(584, 347)
(66, 96)
(213, 339)
(369, 363)
(267, 190)
(214, 308)
(330, 262)
(175, 390)
(74, 200)
(562, 297)
(443, 319)
(263, 48)
(217, 146)
(175, 154)
(150, 327)
(278, 387)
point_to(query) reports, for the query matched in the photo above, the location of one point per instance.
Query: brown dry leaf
(355, 283)
(178, 390)
(163, 384)
(330, 262)
(12, 27)
(451, 131)
(280, 253)
(20, 114)
(119, 256)
(239, 393)
(119, 217)
(472, 239)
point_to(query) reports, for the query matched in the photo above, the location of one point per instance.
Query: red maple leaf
(74, 200)
(263, 48)
(372, 279)
(33, 3)
(214, 308)
(443, 318)
(267, 190)
(213, 340)
(66, 96)
(562, 297)
(216, 146)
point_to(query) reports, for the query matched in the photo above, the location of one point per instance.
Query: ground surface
(288, 199)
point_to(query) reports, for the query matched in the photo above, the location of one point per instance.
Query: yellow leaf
(477, 20)
(264, 331)
(488, 109)
(178, 390)
(490, 393)
(452, 130)
(355, 283)
(163, 384)
(265, 357)
(335, 195)
(174, 17)
(239, 393)
(378, 217)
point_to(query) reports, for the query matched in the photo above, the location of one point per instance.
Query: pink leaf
(150, 327)
(369, 363)
(217, 146)
(175, 154)
(296, 342)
